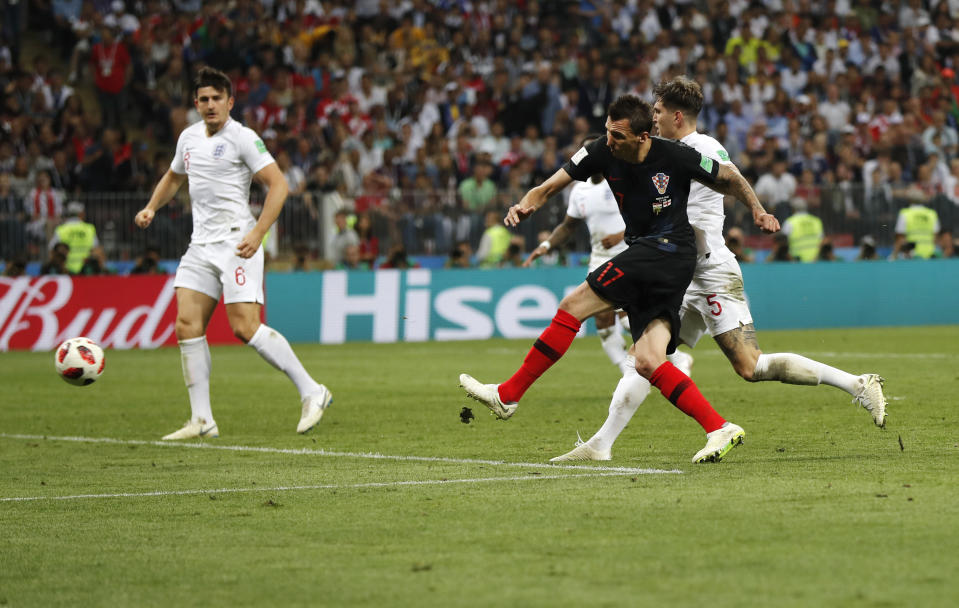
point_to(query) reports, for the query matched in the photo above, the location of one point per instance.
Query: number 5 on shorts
(711, 300)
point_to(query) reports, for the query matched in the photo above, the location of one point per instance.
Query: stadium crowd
(400, 125)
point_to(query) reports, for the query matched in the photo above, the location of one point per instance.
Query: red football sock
(682, 392)
(552, 344)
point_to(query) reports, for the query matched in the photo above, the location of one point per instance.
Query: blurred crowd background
(406, 128)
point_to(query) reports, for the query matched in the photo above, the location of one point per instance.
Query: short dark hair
(638, 112)
(212, 77)
(681, 93)
(589, 138)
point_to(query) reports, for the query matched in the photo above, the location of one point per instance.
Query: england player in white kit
(219, 157)
(593, 202)
(715, 301)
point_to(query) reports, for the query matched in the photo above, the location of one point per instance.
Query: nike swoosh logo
(203, 432)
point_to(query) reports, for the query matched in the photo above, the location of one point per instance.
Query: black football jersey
(652, 195)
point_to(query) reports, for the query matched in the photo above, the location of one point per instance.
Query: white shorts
(715, 302)
(215, 268)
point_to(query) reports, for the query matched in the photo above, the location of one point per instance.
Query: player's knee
(187, 329)
(646, 365)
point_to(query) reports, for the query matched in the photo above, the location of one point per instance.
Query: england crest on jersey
(661, 181)
(219, 150)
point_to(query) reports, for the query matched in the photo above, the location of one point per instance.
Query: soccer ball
(79, 361)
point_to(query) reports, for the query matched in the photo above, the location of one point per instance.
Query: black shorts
(648, 281)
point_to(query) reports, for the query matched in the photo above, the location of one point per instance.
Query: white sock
(613, 344)
(195, 358)
(624, 321)
(629, 394)
(273, 347)
(791, 368)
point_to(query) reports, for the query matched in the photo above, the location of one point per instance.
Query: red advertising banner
(37, 313)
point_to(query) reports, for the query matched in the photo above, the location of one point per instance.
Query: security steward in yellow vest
(919, 226)
(494, 243)
(804, 231)
(79, 235)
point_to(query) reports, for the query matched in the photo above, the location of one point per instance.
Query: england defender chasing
(219, 157)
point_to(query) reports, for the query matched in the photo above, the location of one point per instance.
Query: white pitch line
(371, 456)
(380, 484)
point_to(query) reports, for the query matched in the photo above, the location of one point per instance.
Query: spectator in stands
(946, 245)
(804, 231)
(826, 252)
(13, 235)
(461, 256)
(780, 250)
(351, 259)
(57, 261)
(16, 267)
(112, 67)
(148, 262)
(867, 249)
(736, 242)
(776, 188)
(369, 244)
(45, 208)
(398, 258)
(917, 226)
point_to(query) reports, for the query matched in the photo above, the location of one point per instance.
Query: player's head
(213, 97)
(628, 122)
(678, 103)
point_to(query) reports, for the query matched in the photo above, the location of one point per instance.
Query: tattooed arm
(731, 181)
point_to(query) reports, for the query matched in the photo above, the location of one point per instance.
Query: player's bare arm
(612, 239)
(556, 238)
(165, 190)
(537, 197)
(277, 190)
(731, 181)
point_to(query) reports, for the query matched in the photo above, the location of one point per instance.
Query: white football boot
(313, 407)
(488, 395)
(195, 428)
(683, 361)
(583, 451)
(720, 442)
(872, 398)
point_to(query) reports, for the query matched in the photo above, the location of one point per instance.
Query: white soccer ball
(79, 361)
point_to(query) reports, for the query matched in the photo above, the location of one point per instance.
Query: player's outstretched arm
(731, 181)
(277, 189)
(165, 190)
(537, 197)
(556, 238)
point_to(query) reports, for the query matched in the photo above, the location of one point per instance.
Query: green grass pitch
(818, 507)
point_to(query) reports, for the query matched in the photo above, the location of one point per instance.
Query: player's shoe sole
(193, 429)
(314, 406)
(488, 395)
(720, 442)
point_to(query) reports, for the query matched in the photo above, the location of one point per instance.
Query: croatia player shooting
(650, 178)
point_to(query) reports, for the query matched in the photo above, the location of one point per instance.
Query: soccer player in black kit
(650, 178)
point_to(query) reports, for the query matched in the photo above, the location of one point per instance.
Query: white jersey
(596, 205)
(705, 206)
(219, 169)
